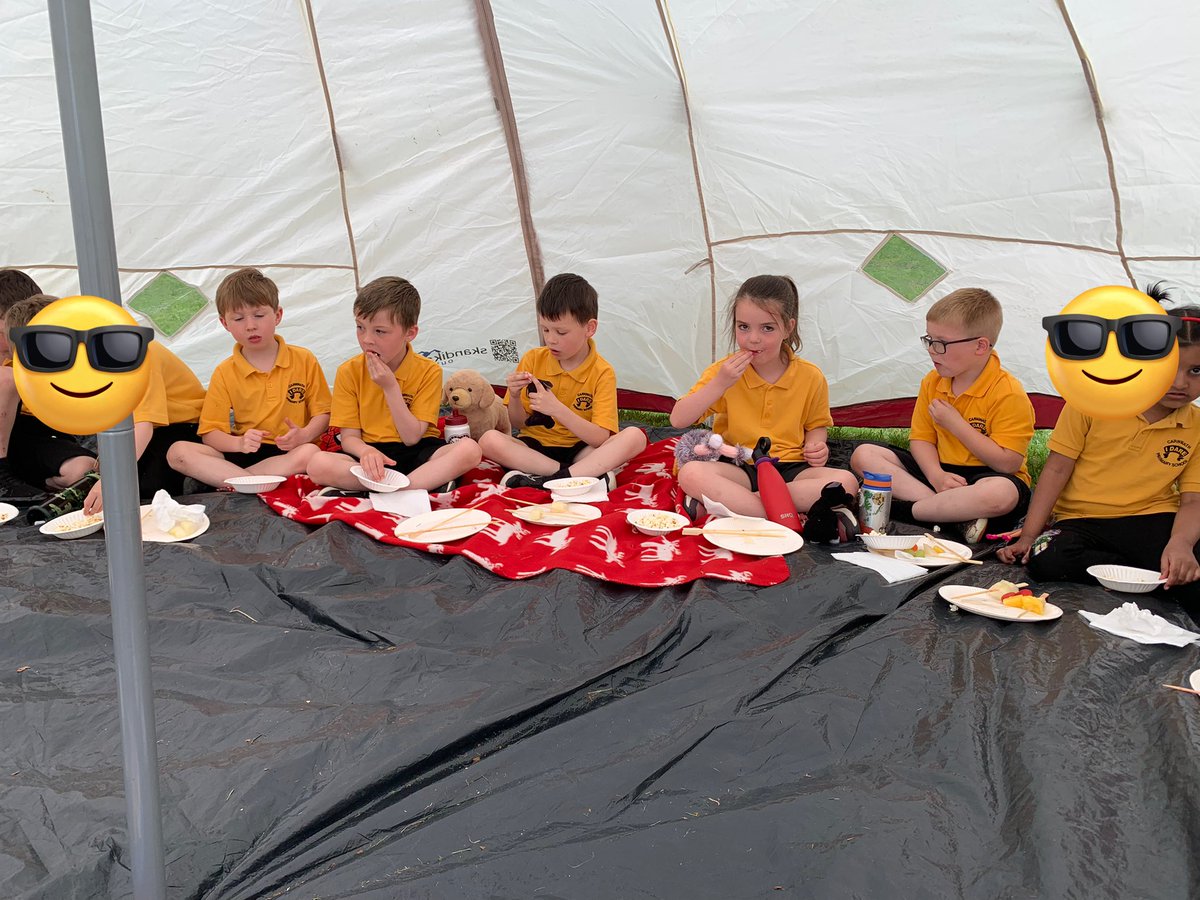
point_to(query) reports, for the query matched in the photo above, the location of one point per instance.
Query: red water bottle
(772, 489)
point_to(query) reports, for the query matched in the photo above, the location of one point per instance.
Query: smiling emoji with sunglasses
(78, 364)
(1112, 352)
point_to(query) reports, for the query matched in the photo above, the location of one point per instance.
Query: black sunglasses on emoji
(52, 348)
(1146, 337)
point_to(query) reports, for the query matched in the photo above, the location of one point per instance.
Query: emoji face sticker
(1112, 352)
(78, 364)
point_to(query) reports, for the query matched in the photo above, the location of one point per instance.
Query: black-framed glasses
(933, 345)
(52, 348)
(1146, 337)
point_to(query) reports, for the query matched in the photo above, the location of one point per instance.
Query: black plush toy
(833, 518)
(537, 418)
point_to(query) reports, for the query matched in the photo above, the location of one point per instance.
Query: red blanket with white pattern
(607, 548)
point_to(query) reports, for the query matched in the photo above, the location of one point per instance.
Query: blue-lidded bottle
(875, 502)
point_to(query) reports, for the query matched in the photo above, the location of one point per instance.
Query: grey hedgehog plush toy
(705, 445)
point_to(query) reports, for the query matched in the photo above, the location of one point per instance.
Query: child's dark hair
(392, 294)
(1189, 332)
(20, 313)
(15, 286)
(568, 295)
(777, 295)
(246, 288)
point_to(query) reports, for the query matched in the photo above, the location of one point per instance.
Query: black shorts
(408, 458)
(972, 474)
(154, 472)
(564, 456)
(246, 460)
(788, 470)
(37, 452)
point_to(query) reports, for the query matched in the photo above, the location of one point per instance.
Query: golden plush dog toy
(469, 393)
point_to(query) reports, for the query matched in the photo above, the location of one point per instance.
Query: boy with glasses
(971, 427)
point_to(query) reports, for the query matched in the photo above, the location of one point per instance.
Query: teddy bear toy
(832, 519)
(469, 394)
(702, 444)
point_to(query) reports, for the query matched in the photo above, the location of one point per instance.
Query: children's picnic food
(76, 524)
(558, 506)
(1019, 597)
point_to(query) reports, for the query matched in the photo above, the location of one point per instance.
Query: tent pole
(95, 251)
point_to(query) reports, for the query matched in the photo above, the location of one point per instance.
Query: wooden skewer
(1176, 687)
(987, 591)
(445, 526)
(441, 527)
(775, 534)
(952, 553)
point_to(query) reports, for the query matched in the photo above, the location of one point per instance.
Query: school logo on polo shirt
(978, 424)
(583, 402)
(1174, 453)
(295, 392)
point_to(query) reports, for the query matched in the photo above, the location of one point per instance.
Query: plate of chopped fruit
(928, 551)
(1003, 600)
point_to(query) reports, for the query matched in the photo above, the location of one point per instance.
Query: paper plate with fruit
(181, 532)
(933, 554)
(1003, 600)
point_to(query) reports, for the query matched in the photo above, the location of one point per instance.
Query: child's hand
(380, 373)
(946, 415)
(252, 440)
(291, 438)
(1017, 552)
(543, 401)
(517, 380)
(947, 481)
(734, 367)
(816, 454)
(373, 462)
(1179, 564)
(94, 502)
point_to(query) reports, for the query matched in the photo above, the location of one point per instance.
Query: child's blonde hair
(392, 294)
(777, 295)
(971, 308)
(246, 288)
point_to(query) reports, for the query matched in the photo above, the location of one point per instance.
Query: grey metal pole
(95, 250)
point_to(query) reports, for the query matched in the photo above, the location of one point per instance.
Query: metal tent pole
(95, 250)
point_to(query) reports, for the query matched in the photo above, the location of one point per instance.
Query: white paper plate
(781, 540)
(1126, 579)
(392, 480)
(984, 605)
(255, 484)
(8, 512)
(1194, 680)
(437, 528)
(573, 486)
(151, 532)
(574, 514)
(932, 559)
(73, 525)
(636, 518)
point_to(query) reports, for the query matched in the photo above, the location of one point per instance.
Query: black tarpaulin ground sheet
(341, 718)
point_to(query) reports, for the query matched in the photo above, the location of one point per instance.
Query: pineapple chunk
(1035, 605)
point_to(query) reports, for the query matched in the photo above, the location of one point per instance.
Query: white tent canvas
(666, 151)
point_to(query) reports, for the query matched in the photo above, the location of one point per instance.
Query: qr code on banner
(505, 351)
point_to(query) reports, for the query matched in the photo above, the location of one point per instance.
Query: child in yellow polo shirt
(763, 389)
(971, 426)
(386, 400)
(566, 398)
(276, 394)
(1123, 491)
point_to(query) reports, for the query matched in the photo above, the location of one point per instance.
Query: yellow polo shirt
(784, 411)
(174, 393)
(590, 389)
(294, 388)
(1126, 467)
(360, 403)
(996, 405)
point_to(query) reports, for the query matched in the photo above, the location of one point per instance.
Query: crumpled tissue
(1131, 621)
